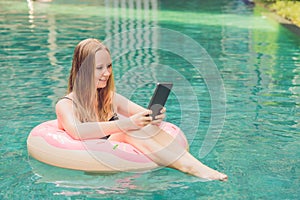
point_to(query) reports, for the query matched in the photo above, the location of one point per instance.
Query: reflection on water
(257, 59)
(135, 46)
(116, 183)
(51, 43)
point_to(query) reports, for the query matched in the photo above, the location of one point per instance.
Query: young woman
(90, 108)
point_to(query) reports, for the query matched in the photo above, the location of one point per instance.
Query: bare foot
(210, 174)
(223, 177)
(202, 171)
(217, 176)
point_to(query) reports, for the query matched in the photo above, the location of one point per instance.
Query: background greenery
(289, 9)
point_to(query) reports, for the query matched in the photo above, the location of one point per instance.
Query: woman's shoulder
(64, 102)
(117, 95)
(66, 98)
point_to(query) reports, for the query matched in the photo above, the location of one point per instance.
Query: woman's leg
(164, 150)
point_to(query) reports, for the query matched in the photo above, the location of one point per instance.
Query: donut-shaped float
(48, 144)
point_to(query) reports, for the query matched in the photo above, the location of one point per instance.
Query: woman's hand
(140, 119)
(159, 118)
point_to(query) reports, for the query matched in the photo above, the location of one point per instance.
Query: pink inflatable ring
(53, 146)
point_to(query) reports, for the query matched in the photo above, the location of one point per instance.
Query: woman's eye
(100, 68)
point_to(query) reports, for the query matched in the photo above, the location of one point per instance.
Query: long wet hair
(91, 103)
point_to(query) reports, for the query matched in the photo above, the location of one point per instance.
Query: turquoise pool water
(252, 72)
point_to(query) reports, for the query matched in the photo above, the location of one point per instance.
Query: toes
(223, 177)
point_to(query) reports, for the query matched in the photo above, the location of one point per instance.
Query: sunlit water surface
(257, 63)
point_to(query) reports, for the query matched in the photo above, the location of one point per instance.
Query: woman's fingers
(159, 118)
(162, 114)
(142, 119)
(146, 113)
(146, 117)
(163, 110)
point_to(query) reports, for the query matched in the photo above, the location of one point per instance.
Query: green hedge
(273, 1)
(289, 9)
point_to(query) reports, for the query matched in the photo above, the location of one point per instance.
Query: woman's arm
(126, 107)
(93, 130)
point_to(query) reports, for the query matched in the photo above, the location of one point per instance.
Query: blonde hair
(91, 103)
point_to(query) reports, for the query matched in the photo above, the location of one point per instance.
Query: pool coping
(284, 22)
(288, 24)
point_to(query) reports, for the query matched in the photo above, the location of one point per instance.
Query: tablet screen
(159, 97)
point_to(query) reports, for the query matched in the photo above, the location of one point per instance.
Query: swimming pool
(257, 64)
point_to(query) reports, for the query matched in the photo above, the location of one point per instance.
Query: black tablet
(159, 97)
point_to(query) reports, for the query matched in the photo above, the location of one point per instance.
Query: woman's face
(103, 68)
